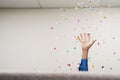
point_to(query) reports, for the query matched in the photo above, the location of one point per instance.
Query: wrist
(85, 50)
(85, 53)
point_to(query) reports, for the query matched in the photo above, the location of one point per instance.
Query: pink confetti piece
(78, 20)
(69, 65)
(78, 63)
(77, 68)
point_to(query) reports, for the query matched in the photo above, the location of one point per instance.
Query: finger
(81, 36)
(78, 38)
(85, 36)
(88, 37)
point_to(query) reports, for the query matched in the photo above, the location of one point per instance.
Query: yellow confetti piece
(93, 66)
(105, 17)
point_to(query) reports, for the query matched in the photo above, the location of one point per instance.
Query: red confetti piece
(69, 65)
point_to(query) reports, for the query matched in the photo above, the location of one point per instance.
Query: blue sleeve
(84, 65)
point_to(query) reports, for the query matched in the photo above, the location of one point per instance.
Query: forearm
(84, 61)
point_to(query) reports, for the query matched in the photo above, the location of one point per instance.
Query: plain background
(44, 40)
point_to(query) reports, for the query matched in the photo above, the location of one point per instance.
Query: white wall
(27, 42)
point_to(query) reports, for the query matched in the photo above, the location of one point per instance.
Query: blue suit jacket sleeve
(84, 65)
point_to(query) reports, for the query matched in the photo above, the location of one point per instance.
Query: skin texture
(86, 44)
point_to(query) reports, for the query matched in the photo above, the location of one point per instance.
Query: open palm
(85, 41)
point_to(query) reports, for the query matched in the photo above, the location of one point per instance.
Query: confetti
(105, 17)
(78, 63)
(74, 29)
(69, 65)
(114, 52)
(110, 68)
(59, 66)
(113, 38)
(74, 48)
(109, 5)
(54, 48)
(77, 68)
(51, 28)
(93, 66)
(78, 20)
(67, 51)
(100, 21)
(70, 69)
(90, 1)
(98, 43)
(102, 66)
(76, 7)
(118, 59)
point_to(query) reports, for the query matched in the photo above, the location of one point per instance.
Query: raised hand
(85, 41)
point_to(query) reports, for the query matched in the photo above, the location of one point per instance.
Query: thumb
(92, 42)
